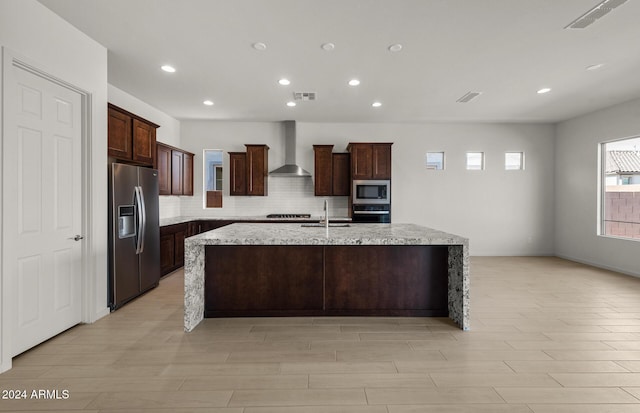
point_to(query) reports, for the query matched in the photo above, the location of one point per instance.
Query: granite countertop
(295, 234)
(182, 219)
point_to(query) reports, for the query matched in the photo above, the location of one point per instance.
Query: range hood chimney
(290, 168)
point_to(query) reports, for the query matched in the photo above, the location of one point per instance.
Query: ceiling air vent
(594, 14)
(468, 96)
(304, 95)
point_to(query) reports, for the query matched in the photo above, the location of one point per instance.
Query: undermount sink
(319, 225)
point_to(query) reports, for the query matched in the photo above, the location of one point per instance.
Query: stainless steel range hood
(290, 168)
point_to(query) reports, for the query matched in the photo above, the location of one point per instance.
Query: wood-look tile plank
(594, 355)
(173, 410)
(570, 366)
(432, 396)
(317, 409)
(281, 356)
(560, 345)
(460, 408)
(461, 345)
(565, 395)
(337, 367)
(597, 379)
(381, 355)
(217, 369)
(457, 354)
(585, 408)
(383, 380)
(245, 382)
(103, 371)
(493, 380)
(454, 366)
(307, 397)
(161, 399)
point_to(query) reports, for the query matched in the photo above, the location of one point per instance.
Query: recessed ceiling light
(259, 46)
(208, 102)
(284, 82)
(168, 69)
(354, 82)
(291, 104)
(595, 67)
(328, 47)
(544, 90)
(395, 47)
(376, 104)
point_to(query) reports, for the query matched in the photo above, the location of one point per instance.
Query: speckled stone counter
(356, 234)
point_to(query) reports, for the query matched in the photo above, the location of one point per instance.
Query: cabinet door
(163, 164)
(144, 142)
(381, 155)
(237, 173)
(119, 135)
(177, 173)
(167, 253)
(361, 161)
(341, 167)
(323, 170)
(179, 237)
(187, 174)
(257, 164)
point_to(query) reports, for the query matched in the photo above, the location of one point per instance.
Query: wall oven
(371, 192)
(371, 213)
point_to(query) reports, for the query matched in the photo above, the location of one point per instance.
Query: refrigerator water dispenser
(126, 221)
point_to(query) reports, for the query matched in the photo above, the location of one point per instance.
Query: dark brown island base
(361, 270)
(317, 280)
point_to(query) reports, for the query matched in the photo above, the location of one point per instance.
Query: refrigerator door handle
(144, 219)
(141, 219)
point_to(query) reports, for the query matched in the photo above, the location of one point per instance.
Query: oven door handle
(371, 212)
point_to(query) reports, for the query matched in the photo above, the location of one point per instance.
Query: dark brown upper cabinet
(130, 137)
(175, 170)
(163, 164)
(248, 171)
(237, 173)
(370, 160)
(330, 171)
(341, 173)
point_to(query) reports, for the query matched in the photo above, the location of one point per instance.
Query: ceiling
(506, 49)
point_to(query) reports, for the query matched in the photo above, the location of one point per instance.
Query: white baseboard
(598, 265)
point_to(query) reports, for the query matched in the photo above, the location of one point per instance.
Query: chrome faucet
(326, 213)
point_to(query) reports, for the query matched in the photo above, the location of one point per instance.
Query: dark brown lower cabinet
(172, 241)
(172, 247)
(263, 280)
(387, 280)
(260, 280)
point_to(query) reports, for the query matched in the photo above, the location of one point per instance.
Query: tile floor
(548, 335)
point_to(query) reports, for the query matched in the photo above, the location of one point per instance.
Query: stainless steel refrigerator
(134, 236)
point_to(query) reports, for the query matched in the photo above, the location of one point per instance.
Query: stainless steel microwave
(371, 192)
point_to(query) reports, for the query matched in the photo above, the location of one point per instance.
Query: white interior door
(42, 206)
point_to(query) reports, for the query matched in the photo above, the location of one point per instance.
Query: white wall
(576, 195)
(30, 30)
(168, 132)
(502, 212)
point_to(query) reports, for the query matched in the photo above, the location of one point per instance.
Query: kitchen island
(289, 270)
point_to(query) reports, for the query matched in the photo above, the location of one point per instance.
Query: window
(620, 196)
(435, 160)
(513, 161)
(212, 170)
(475, 161)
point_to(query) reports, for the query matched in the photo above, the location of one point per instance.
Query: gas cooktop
(289, 216)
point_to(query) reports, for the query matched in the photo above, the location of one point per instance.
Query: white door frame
(9, 59)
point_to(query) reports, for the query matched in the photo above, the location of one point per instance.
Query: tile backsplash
(286, 195)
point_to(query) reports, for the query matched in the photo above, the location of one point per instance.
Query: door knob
(77, 238)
